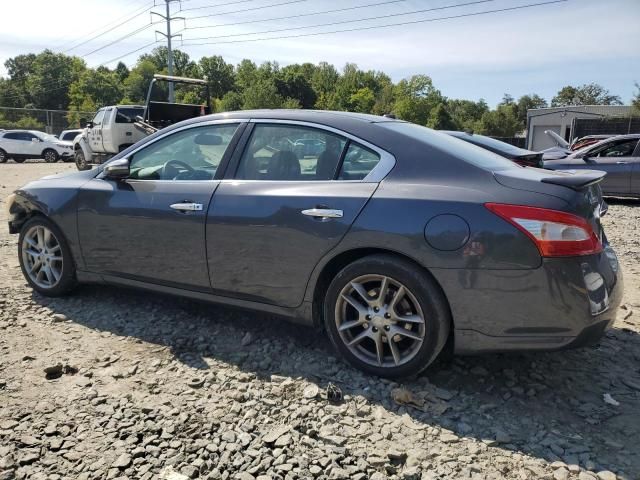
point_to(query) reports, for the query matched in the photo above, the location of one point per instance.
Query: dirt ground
(146, 386)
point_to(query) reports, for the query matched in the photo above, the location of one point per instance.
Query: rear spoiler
(576, 179)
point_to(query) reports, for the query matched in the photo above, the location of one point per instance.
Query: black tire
(50, 156)
(19, 159)
(67, 280)
(435, 308)
(81, 162)
(3, 156)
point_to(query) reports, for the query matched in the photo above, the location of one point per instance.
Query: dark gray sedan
(618, 156)
(393, 239)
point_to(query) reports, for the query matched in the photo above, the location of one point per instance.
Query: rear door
(31, 145)
(280, 208)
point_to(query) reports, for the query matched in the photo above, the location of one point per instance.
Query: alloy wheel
(50, 156)
(380, 321)
(42, 256)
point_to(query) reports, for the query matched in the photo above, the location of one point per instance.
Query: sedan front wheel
(386, 316)
(45, 258)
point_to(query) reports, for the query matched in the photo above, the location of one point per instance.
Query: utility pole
(169, 36)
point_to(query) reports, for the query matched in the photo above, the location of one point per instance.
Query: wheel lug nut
(368, 317)
(387, 315)
(375, 329)
(365, 325)
(387, 328)
(376, 309)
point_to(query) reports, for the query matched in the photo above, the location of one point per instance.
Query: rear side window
(12, 136)
(128, 115)
(290, 152)
(464, 151)
(358, 162)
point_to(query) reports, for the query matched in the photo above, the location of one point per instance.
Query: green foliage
(362, 101)
(219, 74)
(635, 102)
(230, 102)
(440, 119)
(26, 123)
(137, 83)
(501, 122)
(588, 94)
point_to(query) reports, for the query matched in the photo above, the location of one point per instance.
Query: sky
(538, 49)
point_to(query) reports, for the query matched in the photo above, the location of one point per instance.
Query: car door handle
(621, 162)
(187, 206)
(323, 213)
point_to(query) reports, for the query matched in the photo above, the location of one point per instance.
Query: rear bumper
(566, 302)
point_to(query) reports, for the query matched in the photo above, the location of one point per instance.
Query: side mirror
(118, 169)
(89, 125)
(35, 140)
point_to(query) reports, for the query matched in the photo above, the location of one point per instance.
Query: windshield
(45, 137)
(464, 151)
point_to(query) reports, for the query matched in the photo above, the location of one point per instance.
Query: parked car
(523, 157)
(69, 135)
(399, 239)
(618, 156)
(20, 145)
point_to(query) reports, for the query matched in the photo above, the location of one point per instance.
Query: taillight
(555, 233)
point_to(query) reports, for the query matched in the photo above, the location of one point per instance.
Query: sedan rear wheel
(45, 258)
(386, 316)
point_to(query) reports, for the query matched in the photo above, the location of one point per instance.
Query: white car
(69, 135)
(23, 144)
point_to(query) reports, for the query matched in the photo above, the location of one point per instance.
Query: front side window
(97, 120)
(291, 152)
(192, 154)
(107, 117)
(623, 148)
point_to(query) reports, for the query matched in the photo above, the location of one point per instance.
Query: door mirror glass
(35, 140)
(117, 169)
(89, 125)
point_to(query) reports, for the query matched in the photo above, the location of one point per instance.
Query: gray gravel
(112, 383)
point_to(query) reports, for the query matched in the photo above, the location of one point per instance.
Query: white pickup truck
(111, 131)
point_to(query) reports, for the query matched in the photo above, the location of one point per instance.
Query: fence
(50, 121)
(604, 126)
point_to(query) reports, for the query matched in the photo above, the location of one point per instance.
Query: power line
(130, 34)
(378, 17)
(215, 6)
(84, 42)
(299, 15)
(429, 20)
(262, 7)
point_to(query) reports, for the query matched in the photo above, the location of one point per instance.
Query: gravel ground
(114, 383)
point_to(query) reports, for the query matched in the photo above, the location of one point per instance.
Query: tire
(56, 259)
(50, 156)
(81, 162)
(3, 156)
(417, 324)
(19, 159)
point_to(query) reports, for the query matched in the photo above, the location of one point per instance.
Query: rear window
(128, 115)
(69, 136)
(465, 151)
(490, 143)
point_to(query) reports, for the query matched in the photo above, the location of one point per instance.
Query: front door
(284, 208)
(95, 132)
(151, 226)
(616, 158)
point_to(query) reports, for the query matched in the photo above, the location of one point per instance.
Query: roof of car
(299, 114)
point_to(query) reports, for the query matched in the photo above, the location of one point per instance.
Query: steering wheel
(174, 165)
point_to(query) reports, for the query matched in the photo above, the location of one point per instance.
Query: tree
(292, 83)
(415, 98)
(588, 94)
(230, 102)
(362, 101)
(219, 75)
(137, 83)
(439, 119)
(501, 122)
(635, 102)
(262, 94)
(467, 113)
(528, 102)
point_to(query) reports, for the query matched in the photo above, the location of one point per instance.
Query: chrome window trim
(376, 175)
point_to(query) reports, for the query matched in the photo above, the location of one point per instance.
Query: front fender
(82, 144)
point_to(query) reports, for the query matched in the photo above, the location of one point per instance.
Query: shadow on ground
(548, 405)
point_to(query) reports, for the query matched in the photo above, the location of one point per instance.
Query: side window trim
(377, 174)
